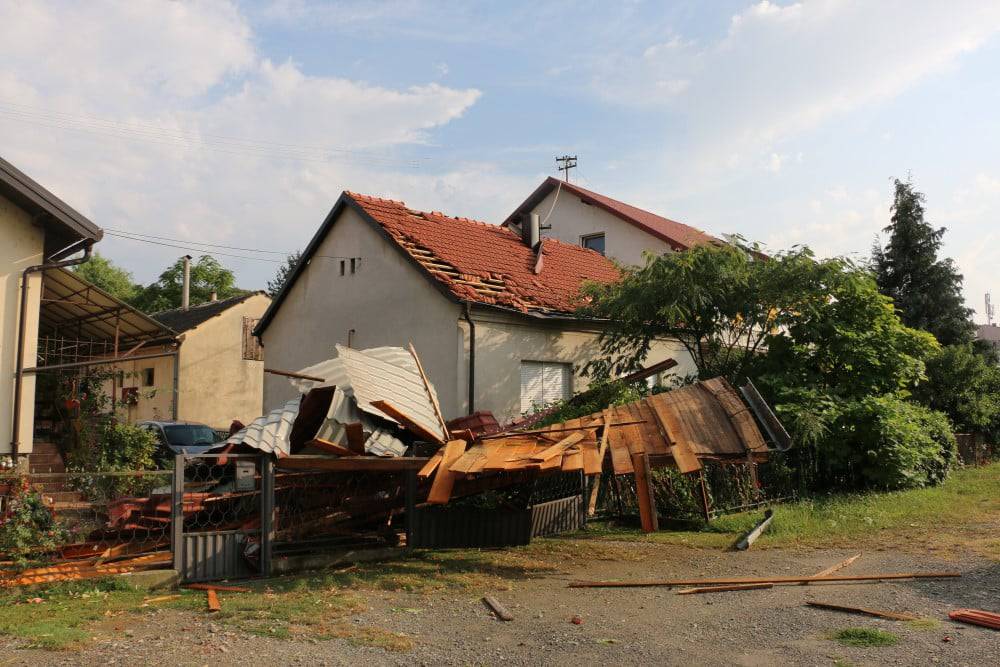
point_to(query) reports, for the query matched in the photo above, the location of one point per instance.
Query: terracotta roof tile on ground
(487, 263)
(677, 234)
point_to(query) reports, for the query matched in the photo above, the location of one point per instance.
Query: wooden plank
(431, 465)
(213, 600)
(557, 448)
(644, 493)
(602, 450)
(572, 461)
(355, 432)
(297, 376)
(352, 463)
(891, 615)
(557, 428)
(217, 587)
(430, 394)
(332, 448)
(444, 480)
(835, 568)
(497, 608)
(684, 458)
(473, 457)
(643, 583)
(721, 589)
(414, 427)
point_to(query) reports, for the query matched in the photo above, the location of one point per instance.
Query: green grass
(62, 618)
(865, 637)
(964, 512)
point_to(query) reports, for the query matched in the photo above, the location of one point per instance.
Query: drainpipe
(22, 323)
(472, 358)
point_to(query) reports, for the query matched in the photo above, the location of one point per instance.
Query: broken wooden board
(355, 433)
(723, 589)
(498, 609)
(834, 568)
(558, 448)
(644, 493)
(684, 458)
(408, 422)
(431, 465)
(331, 448)
(891, 615)
(444, 480)
(213, 600)
(645, 583)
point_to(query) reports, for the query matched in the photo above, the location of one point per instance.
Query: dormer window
(593, 242)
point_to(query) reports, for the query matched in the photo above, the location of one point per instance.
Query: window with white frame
(593, 242)
(543, 383)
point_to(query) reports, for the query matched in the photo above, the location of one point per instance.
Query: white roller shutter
(544, 383)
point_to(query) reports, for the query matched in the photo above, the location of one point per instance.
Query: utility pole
(568, 162)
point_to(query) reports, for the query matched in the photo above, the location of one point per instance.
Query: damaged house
(491, 308)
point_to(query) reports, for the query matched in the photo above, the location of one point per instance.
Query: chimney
(186, 285)
(215, 296)
(530, 231)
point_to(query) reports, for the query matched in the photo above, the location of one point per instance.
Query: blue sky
(239, 124)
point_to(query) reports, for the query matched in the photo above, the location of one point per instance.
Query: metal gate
(222, 515)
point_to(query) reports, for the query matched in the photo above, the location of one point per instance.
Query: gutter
(472, 357)
(21, 324)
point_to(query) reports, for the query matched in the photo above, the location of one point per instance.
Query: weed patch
(866, 637)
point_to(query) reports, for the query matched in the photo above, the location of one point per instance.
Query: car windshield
(185, 435)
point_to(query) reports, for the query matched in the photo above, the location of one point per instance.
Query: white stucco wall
(155, 402)
(21, 246)
(571, 220)
(503, 342)
(386, 302)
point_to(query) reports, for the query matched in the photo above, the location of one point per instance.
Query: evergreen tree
(283, 274)
(927, 291)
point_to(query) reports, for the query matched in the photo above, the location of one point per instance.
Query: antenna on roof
(568, 162)
(990, 309)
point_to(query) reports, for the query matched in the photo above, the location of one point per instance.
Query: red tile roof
(677, 234)
(485, 263)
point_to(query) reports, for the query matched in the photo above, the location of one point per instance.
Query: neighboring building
(221, 366)
(622, 232)
(491, 317)
(36, 227)
(989, 333)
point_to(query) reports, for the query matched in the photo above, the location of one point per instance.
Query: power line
(139, 236)
(201, 250)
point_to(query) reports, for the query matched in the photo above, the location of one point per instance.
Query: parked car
(181, 437)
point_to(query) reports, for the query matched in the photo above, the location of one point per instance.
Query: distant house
(220, 366)
(989, 333)
(490, 312)
(613, 228)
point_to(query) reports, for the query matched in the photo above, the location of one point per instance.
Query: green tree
(207, 276)
(965, 386)
(114, 280)
(283, 273)
(926, 290)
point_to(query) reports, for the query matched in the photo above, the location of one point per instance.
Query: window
(354, 264)
(252, 349)
(544, 382)
(593, 242)
(148, 377)
(343, 263)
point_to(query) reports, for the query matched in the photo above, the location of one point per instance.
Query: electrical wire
(139, 236)
(199, 250)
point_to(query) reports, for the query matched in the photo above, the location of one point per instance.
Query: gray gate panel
(557, 516)
(216, 555)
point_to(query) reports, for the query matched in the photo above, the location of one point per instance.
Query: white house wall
(21, 245)
(502, 343)
(571, 220)
(386, 302)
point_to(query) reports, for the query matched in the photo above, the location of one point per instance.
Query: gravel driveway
(619, 626)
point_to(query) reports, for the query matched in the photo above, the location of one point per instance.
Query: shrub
(593, 400)
(27, 526)
(113, 447)
(888, 443)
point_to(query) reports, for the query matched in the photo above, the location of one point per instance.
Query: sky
(239, 124)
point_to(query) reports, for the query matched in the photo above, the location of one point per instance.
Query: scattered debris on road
(890, 615)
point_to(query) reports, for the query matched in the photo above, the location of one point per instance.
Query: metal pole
(266, 514)
(186, 286)
(177, 514)
(411, 505)
(175, 410)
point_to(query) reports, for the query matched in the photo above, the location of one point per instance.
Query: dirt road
(451, 626)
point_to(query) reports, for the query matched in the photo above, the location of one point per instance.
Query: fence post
(266, 513)
(584, 498)
(177, 514)
(411, 505)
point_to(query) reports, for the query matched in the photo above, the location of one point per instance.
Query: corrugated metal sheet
(558, 516)
(214, 556)
(270, 432)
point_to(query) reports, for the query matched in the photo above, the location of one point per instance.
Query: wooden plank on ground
(834, 568)
(408, 422)
(444, 480)
(891, 615)
(722, 589)
(645, 583)
(217, 587)
(497, 608)
(213, 600)
(644, 493)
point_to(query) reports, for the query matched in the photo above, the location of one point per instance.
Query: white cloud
(165, 119)
(782, 70)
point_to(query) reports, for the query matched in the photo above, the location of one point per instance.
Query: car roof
(154, 422)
